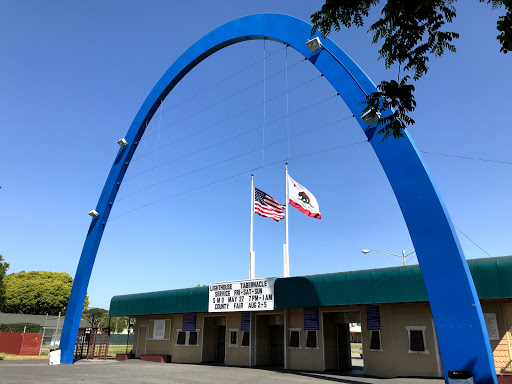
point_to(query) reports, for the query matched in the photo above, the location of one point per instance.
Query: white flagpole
(251, 252)
(286, 255)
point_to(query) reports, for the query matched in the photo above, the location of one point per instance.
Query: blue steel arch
(456, 310)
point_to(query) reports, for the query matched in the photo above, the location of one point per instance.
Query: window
(294, 338)
(159, 329)
(192, 338)
(311, 339)
(246, 339)
(187, 337)
(375, 341)
(417, 341)
(233, 338)
(181, 338)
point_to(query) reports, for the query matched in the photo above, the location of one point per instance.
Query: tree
(411, 32)
(38, 292)
(117, 324)
(98, 317)
(3, 269)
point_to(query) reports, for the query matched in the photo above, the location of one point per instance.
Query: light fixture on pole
(93, 213)
(314, 44)
(122, 142)
(371, 116)
(402, 258)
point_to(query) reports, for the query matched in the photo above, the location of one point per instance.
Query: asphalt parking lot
(136, 371)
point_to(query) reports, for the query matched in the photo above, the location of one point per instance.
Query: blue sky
(74, 75)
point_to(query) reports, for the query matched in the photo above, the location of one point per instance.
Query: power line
(178, 194)
(230, 159)
(235, 175)
(255, 169)
(216, 103)
(222, 81)
(328, 150)
(223, 141)
(467, 237)
(468, 158)
(220, 122)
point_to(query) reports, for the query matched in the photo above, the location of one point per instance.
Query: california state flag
(302, 199)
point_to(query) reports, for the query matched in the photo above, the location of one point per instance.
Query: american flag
(266, 206)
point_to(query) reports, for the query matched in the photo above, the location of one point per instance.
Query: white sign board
(242, 295)
(492, 326)
(158, 329)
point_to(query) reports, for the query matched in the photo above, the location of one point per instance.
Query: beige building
(308, 329)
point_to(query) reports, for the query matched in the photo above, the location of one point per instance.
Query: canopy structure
(373, 286)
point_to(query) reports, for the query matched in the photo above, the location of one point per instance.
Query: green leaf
(38, 292)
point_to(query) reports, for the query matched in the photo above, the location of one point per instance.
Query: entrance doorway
(214, 340)
(276, 345)
(141, 341)
(341, 353)
(343, 347)
(221, 344)
(270, 340)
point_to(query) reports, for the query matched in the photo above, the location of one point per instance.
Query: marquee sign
(242, 295)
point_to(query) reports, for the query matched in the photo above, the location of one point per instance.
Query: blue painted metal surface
(458, 317)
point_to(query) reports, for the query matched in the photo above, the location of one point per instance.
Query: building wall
(205, 351)
(393, 360)
(379, 363)
(187, 353)
(180, 353)
(407, 363)
(236, 355)
(502, 348)
(151, 346)
(304, 358)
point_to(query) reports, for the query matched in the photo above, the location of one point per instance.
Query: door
(141, 341)
(344, 351)
(276, 345)
(221, 343)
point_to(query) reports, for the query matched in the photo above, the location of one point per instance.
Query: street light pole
(402, 258)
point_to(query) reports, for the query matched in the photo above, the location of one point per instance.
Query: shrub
(19, 327)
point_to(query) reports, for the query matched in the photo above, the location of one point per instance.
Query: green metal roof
(492, 277)
(175, 301)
